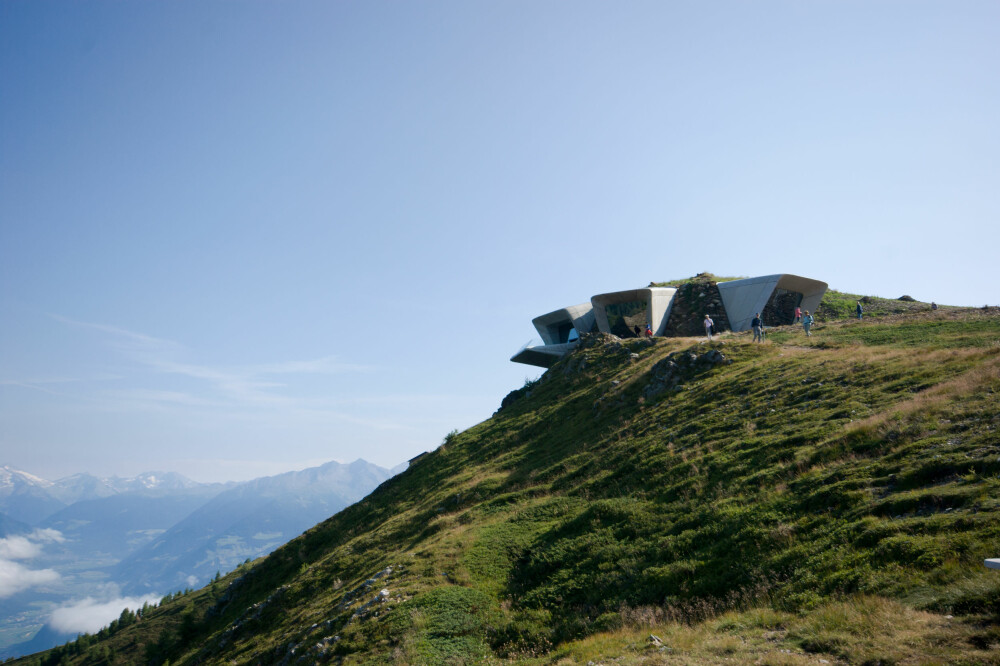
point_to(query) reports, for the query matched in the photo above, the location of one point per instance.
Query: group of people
(757, 324)
(638, 331)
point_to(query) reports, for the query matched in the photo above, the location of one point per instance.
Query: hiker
(857, 309)
(649, 331)
(807, 321)
(709, 327)
(757, 325)
(798, 315)
(933, 305)
(635, 329)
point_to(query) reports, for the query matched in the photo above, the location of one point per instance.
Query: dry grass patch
(937, 397)
(858, 630)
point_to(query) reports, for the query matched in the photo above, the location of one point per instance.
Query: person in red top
(798, 315)
(649, 331)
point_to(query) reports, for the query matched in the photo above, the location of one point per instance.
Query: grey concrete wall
(744, 298)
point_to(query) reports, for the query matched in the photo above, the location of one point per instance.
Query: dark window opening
(625, 318)
(780, 309)
(564, 332)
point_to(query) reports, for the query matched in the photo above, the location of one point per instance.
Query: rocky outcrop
(671, 372)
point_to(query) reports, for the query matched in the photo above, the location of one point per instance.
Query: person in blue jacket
(807, 322)
(859, 310)
(757, 325)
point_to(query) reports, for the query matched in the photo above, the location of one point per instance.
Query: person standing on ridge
(858, 310)
(635, 329)
(807, 322)
(649, 331)
(709, 327)
(798, 315)
(757, 325)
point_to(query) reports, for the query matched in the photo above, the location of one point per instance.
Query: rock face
(780, 310)
(692, 302)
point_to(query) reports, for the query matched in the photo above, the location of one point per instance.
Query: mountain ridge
(827, 497)
(157, 532)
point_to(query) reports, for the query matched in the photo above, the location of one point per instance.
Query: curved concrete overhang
(658, 301)
(745, 298)
(543, 356)
(812, 290)
(553, 325)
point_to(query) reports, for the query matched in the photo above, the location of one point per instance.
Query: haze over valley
(75, 551)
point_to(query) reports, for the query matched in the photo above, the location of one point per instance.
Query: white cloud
(18, 548)
(47, 535)
(15, 577)
(89, 615)
(26, 547)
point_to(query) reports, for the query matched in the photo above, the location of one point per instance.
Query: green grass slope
(664, 501)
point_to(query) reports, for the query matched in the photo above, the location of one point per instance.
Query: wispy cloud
(16, 577)
(43, 383)
(247, 385)
(119, 333)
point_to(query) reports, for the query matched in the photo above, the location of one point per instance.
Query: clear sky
(240, 238)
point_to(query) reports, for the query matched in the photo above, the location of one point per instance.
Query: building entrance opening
(625, 318)
(780, 308)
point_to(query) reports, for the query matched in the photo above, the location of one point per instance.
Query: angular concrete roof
(657, 299)
(550, 325)
(745, 298)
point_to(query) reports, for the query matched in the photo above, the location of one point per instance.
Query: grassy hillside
(663, 501)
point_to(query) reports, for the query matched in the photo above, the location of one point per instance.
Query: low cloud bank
(16, 577)
(90, 615)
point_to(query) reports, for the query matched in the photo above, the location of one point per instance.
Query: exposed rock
(904, 297)
(691, 303)
(589, 340)
(670, 372)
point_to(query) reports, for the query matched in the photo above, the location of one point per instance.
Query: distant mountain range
(247, 521)
(31, 499)
(155, 533)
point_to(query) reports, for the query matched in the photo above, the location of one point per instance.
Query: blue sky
(242, 238)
